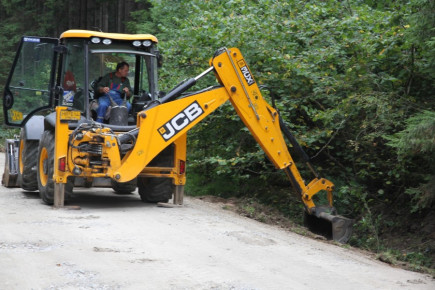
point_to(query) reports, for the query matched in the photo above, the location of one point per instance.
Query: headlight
(95, 40)
(136, 43)
(107, 41)
(147, 43)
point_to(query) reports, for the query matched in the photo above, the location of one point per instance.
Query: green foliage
(418, 137)
(6, 134)
(346, 76)
(341, 72)
(415, 146)
(422, 35)
(417, 259)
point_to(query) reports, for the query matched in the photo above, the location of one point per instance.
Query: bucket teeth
(341, 229)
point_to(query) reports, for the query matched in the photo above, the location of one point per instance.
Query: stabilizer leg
(59, 195)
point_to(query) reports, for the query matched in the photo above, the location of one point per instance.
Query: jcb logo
(180, 121)
(245, 71)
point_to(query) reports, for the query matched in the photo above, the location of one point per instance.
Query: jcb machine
(51, 95)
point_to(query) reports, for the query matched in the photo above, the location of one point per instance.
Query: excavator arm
(267, 127)
(162, 122)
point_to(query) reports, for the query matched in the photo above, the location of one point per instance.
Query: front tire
(45, 170)
(27, 163)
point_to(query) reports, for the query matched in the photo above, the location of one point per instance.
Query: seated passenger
(113, 84)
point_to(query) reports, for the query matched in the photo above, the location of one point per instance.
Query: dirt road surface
(118, 242)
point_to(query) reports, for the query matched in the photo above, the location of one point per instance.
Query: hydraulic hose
(296, 145)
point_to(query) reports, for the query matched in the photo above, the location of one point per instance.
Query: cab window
(29, 86)
(73, 75)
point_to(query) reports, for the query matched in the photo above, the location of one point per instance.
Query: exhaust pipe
(324, 221)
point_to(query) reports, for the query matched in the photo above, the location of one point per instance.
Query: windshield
(73, 75)
(102, 61)
(101, 64)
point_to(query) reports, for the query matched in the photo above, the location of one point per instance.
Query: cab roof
(120, 36)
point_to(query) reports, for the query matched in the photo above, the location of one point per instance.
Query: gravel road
(118, 242)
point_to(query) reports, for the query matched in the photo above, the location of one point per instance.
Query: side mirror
(8, 101)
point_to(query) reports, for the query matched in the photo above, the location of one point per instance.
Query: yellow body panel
(150, 142)
(170, 172)
(110, 153)
(76, 33)
(61, 146)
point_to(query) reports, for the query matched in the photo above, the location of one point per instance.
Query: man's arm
(127, 88)
(103, 85)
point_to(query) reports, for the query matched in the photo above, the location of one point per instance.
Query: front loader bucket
(331, 226)
(10, 174)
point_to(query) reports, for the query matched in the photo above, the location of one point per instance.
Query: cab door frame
(9, 98)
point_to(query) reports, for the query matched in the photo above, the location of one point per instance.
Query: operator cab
(50, 72)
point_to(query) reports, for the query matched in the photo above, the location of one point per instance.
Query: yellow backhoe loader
(51, 94)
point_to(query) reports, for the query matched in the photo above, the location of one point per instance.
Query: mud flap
(324, 221)
(10, 175)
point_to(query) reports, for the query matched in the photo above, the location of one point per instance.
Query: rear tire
(124, 187)
(27, 163)
(45, 170)
(153, 189)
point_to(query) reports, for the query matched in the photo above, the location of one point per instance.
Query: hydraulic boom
(163, 121)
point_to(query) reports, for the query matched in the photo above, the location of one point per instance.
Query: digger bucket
(10, 174)
(118, 113)
(324, 222)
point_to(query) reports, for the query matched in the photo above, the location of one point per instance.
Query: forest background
(354, 80)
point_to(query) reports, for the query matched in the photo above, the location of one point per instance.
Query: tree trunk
(105, 17)
(90, 17)
(119, 15)
(128, 8)
(71, 15)
(83, 6)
